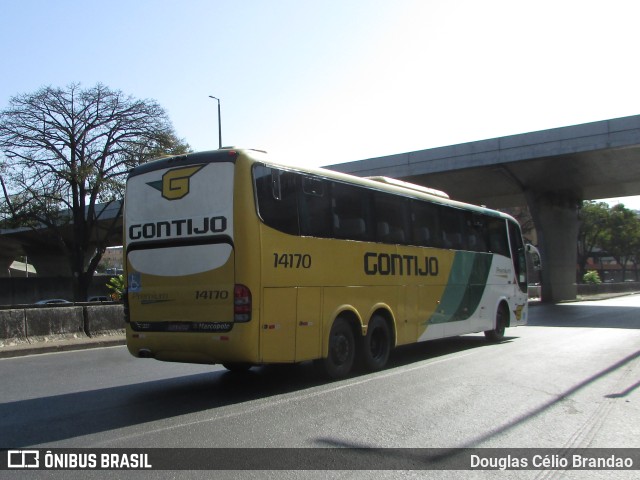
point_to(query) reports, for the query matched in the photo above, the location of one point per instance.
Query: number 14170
(291, 260)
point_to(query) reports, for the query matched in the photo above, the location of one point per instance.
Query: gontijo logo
(175, 182)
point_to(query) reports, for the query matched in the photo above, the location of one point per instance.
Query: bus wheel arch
(376, 345)
(341, 345)
(502, 321)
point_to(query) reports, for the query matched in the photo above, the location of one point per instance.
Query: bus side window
(350, 210)
(391, 217)
(476, 233)
(497, 237)
(425, 224)
(315, 208)
(454, 228)
(276, 197)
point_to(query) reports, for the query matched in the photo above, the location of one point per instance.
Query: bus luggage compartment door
(290, 325)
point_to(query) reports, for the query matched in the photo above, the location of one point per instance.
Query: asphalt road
(570, 379)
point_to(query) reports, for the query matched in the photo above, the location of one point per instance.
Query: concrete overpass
(42, 248)
(551, 171)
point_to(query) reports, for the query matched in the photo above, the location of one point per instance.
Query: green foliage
(612, 230)
(591, 277)
(116, 285)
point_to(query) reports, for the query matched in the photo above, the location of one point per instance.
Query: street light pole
(219, 123)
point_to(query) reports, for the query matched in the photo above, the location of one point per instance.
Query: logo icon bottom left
(23, 459)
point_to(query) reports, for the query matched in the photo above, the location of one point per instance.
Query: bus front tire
(497, 334)
(376, 345)
(342, 349)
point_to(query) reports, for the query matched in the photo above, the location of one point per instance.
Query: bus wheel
(376, 344)
(497, 333)
(342, 349)
(237, 366)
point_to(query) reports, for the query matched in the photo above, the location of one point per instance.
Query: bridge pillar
(555, 215)
(5, 264)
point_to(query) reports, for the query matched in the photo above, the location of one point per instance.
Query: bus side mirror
(534, 254)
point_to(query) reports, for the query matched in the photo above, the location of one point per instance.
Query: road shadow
(585, 315)
(41, 421)
(447, 454)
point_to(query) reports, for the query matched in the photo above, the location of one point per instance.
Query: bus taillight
(241, 303)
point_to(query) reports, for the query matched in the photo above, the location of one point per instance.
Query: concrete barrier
(100, 319)
(604, 288)
(36, 324)
(534, 291)
(12, 326)
(44, 322)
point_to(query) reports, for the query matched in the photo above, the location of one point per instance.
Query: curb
(66, 345)
(584, 298)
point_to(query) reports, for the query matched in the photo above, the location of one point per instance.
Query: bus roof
(387, 184)
(410, 186)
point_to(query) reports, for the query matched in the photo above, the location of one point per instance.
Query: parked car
(49, 301)
(98, 298)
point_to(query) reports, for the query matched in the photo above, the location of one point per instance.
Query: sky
(319, 82)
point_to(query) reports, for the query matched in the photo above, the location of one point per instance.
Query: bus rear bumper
(205, 348)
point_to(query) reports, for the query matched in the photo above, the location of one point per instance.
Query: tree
(624, 236)
(66, 155)
(594, 229)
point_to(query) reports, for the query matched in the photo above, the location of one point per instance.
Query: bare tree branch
(68, 149)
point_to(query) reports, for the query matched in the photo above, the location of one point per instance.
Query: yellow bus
(231, 258)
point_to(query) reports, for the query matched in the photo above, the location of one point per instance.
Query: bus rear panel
(183, 300)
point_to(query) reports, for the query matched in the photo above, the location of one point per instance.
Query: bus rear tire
(497, 334)
(237, 366)
(376, 344)
(342, 350)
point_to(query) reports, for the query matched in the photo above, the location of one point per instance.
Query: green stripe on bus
(465, 287)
